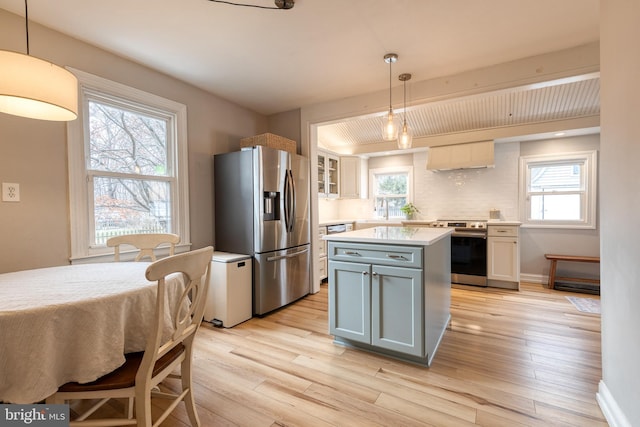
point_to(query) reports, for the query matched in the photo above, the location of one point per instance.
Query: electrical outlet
(10, 192)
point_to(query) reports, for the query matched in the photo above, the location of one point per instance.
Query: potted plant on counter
(409, 210)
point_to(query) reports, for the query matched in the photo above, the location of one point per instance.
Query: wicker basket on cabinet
(270, 140)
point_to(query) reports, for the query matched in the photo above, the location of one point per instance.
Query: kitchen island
(390, 290)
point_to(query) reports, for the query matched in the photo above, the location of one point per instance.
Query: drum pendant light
(35, 88)
(406, 137)
(390, 125)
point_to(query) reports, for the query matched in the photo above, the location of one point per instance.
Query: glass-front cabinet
(328, 175)
(322, 170)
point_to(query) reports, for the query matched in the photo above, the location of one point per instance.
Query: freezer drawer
(230, 293)
(280, 277)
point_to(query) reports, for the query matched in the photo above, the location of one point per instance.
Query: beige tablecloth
(70, 323)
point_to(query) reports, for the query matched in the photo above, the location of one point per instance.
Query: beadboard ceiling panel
(506, 108)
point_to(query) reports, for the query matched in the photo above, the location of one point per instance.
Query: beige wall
(286, 124)
(619, 392)
(35, 232)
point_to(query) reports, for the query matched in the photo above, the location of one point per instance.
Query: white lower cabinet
(503, 256)
(322, 253)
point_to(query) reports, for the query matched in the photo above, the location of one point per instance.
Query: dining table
(72, 323)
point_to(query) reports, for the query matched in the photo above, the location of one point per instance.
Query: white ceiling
(272, 61)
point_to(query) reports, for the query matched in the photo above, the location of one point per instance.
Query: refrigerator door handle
(289, 201)
(286, 201)
(295, 254)
(292, 204)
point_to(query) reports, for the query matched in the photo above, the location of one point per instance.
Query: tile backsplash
(469, 193)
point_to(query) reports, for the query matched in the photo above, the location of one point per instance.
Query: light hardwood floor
(510, 358)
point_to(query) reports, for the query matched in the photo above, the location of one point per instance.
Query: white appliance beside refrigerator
(230, 296)
(262, 210)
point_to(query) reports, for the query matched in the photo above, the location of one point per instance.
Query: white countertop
(501, 222)
(412, 222)
(336, 221)
(377, 221)
(393, 235)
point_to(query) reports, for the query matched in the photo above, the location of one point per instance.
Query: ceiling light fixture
(405, 138)
(285, 4)
(280, 4)
(35, 88)
(390, 126)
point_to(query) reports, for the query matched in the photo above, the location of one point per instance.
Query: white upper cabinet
(461, 156)
(350, 177)
(328, 175)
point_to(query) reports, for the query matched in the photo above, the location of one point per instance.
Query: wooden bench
(571, 258)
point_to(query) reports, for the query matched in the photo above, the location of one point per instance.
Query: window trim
(590, 162)
(79, 215)
(391, 170)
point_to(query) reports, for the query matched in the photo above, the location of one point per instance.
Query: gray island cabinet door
(397, 314)
(350, 300)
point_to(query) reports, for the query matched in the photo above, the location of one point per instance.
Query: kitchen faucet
(384, 204)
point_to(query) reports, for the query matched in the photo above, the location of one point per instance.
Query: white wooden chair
(140, 375)
(146, 243)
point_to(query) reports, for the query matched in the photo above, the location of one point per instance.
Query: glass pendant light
(35, 88)
(390, 125)
(406, 137)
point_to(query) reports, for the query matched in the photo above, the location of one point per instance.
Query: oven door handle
(470, 234)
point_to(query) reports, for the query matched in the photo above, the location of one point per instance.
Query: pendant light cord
(390, 62)
(403, 78)
(404, 85)
(26, 22)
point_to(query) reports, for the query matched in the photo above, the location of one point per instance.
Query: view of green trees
(393, 189)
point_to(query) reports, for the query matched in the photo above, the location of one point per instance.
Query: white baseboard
(612, 412)
(534, 278)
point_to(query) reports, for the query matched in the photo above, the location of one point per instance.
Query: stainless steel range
(468, 251)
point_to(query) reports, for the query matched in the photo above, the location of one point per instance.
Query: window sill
(560, 226)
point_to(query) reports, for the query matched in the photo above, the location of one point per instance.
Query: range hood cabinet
(461, 156)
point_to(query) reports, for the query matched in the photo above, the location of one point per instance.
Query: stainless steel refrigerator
(262, 210)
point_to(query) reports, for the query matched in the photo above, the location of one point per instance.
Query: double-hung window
(391, 189)
(127, 166)
(559, 190)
